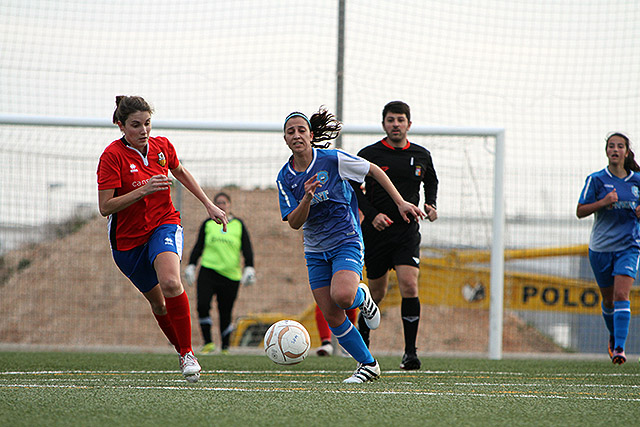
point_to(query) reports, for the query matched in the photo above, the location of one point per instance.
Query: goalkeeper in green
(221, 271)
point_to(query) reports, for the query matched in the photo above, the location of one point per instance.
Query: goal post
(497, 216)
(496, 305)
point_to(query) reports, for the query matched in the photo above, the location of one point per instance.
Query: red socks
(352, 314)
(180, 317)
(165, 324)
(323, 326)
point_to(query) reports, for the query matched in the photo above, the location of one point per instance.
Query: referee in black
(389, 241)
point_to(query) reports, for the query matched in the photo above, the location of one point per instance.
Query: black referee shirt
(408, 168)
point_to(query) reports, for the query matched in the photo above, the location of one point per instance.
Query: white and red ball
(287, 342)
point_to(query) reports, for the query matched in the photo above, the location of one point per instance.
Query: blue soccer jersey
(333, 216)
(615, 227)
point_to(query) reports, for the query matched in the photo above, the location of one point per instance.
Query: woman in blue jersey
(315, 194)
(614, 248)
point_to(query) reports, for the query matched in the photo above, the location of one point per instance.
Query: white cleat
(369, 309)
(190, 367)
(193, 378)
(325, 350)
(364, 373)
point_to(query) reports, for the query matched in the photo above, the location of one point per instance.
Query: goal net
(557, 76)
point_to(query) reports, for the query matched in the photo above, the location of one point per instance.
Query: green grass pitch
(93, 389)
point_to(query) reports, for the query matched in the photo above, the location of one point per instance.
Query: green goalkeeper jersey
(221, 251)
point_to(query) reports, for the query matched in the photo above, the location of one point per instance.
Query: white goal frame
(496, 307)
(496, 303)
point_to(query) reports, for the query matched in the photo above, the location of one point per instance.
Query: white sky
(557, 75)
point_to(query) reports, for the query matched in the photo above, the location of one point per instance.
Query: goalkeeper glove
(248, 276)
(190, 274)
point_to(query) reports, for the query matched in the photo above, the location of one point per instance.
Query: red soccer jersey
(123, 168)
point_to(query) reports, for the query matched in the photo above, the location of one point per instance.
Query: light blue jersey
(616, 227)
(333, 217)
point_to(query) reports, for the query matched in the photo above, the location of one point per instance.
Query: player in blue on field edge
(612, 194)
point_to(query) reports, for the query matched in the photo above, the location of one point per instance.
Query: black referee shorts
(383, 250)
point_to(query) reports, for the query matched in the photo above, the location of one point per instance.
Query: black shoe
(618, 356)
(612, 344)
(410, 362)
(364, 330)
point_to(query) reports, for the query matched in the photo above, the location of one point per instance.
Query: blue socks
(349, 337)
(621, 320)
(607, 315)
(351, 340)
(359, 299)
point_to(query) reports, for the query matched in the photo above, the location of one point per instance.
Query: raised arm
(109, 204)
(190, 183)
(404, 207)
(589, 208)
(299, 215)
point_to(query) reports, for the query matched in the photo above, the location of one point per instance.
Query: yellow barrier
(449, 280)
(469, 287)
(250, 329)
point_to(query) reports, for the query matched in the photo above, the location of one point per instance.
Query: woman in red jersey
(144, 227)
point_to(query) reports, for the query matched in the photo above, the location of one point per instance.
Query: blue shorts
(137, 263)
(607, 265)
(323, 265)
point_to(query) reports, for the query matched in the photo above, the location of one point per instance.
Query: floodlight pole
(339, 102)
(340, 66)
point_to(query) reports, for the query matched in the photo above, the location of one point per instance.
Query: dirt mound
(68, 291)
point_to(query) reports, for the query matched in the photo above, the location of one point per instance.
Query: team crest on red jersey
(161, 160)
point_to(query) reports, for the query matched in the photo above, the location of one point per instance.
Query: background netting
(558, 76)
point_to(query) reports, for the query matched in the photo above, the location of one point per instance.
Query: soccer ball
(287, 342)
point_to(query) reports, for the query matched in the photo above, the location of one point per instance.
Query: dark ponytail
(322, 124)
(630, 163)
(127, 105)
(325, 127)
